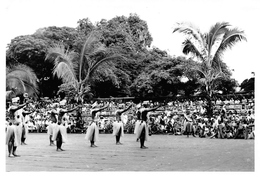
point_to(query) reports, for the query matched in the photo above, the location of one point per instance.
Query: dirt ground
(165, 153)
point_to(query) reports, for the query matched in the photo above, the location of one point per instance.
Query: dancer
(60, 132)
(53, 124)
(142, 132)
(24, 123)
(12, 138)
(118, 129)
(138, 120)
(50, 129)
(14, 131)
(92, 131)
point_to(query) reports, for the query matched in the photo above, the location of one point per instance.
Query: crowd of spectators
(168, 119)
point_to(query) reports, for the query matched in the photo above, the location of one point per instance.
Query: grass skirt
(140, 129)
(92, 131)
(51, 127)
(63, 131)
(14, 133)
(137, 124)
(25, 130)
(116, 128)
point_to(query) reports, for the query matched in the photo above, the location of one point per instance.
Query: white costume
(25, 121)
(15, 130)
(12, 135)
(141, 126)
(93, 128)
(116, 127)
(63, 131)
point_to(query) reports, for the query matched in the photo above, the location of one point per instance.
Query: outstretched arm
(19, 107)
(67, 111)
(153, 109)
(100, 109)
(126, 109)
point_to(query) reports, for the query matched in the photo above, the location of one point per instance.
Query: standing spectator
(187, 123)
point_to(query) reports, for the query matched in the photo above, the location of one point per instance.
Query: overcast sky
(24, 17)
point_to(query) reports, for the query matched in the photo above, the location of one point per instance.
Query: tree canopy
(144, 71)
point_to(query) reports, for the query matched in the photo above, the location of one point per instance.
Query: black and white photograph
(130, 86)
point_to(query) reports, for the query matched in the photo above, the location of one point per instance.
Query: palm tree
(20, 79)
(76, 70)
(209, 48)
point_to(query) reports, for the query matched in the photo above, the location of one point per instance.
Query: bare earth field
(165, 153)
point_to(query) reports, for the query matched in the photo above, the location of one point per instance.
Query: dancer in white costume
(60, 135)
(93, 131)
(138, 120)
(14, 130)
(53, 124)
(60, 131)
(118, 128)
(24, 122)
(142, 132)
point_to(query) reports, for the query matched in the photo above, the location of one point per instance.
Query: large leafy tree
(226, 86)
(30, 50)
(127, 36)
(248, 85)
(77, 69)
(160, 77)
(208, 49)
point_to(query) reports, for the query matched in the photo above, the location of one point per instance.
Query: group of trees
(114, 58)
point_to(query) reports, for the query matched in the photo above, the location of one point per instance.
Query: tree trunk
(209, 106)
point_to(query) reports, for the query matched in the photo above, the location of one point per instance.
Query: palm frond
(194, 35)
(213, 49)
(189, 47)
(90, 43)
(215, 31)
(59, 50)
(64, 62)
(64, 70)
(98, 63)
(231, 37)
(189, 29)
(88, 48)
(22, 78)
(24, 72)
(13, 82)
(100, 50)
(95, 64)
(30, 88)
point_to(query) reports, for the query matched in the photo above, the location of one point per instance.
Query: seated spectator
(239, 130)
